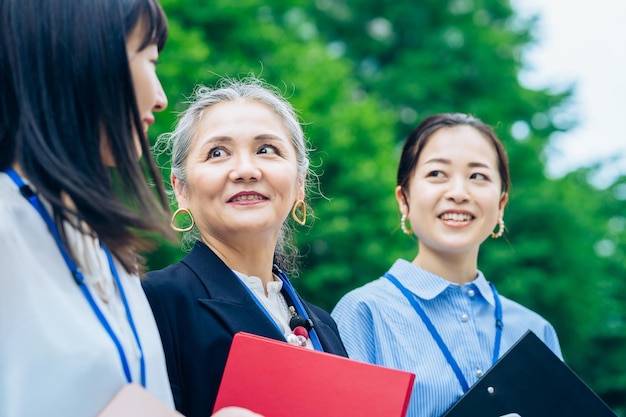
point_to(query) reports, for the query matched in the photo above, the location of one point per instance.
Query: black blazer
(199, 304)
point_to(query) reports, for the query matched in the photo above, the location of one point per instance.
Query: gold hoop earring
(500, 231)
(294, 214)
(182, 229)
(403, 226)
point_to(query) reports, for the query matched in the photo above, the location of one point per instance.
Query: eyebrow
(226, 139)
(269, 136)
(448, 162)
(218, 139)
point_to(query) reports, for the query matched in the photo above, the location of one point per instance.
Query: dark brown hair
(418, 138)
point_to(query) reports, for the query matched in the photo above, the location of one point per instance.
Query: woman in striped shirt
(437, 316)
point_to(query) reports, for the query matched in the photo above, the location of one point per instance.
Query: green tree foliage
(351, 135)
(363, 73)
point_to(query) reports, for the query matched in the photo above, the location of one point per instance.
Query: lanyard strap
(78, 277)
(297, 305)
(437, 337)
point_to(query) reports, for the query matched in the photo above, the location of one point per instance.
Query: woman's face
(454, 198)
(149, 93)
(242, 177)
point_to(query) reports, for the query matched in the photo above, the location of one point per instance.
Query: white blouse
(56, 358)
(274, 302)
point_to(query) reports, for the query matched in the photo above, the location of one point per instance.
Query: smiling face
(454, 198)
(242, 177)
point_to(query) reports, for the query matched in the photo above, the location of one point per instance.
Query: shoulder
(169, 280)
(15, 212)
(28, 248)
(169, 285)
(170, 275)
(319, 312)
(366, 305)
(518, 319)
(315, 309)
(327, 330)
(367, 296)
(517, 312)
(179, 274)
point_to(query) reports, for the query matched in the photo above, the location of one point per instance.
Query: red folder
(277, 379)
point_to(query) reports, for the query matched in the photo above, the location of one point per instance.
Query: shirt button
(464, 317)
(479, 373)
(470, 293)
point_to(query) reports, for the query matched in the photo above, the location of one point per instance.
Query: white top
(274, 302)
(56, 359)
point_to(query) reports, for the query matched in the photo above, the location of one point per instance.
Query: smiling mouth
(252, 197)
(456, 217)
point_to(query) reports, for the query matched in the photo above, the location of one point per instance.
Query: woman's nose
(457, 190)
(161, 98)
(245, 169)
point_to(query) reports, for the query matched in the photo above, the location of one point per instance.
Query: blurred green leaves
(362, 74)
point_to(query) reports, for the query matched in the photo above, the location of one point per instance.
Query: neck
(249, 258)
(457, 268)
(18, 169)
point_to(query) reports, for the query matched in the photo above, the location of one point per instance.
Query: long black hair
(65, 84)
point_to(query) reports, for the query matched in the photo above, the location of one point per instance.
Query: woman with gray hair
(239, 170)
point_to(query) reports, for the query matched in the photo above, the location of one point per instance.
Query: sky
(582, 43)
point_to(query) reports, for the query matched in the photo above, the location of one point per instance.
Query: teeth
(456, 217)
(248, 197)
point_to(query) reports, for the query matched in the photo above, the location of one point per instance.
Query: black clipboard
(532, 381)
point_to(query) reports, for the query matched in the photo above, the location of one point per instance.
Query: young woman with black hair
(78, 90)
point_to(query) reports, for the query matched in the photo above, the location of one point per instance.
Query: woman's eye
(268, 150)
(216, 153)
(479, 176)
(435, 174)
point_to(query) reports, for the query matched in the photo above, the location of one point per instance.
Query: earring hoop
(500, 231)
(182, 229)
(294, 214)
(405, 230)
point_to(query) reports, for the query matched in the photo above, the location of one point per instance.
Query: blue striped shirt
(378, 325)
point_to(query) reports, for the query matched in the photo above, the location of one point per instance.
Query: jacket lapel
(328, 337)
(226, 297)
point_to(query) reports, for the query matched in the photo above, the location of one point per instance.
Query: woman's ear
(300, 194)
(403, 205)
(503, 200)
(179, 191)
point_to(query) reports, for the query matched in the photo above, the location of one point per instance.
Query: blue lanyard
(291, 292)
(78, 276)
(435, 334)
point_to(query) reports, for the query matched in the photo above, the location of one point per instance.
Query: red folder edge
(277, 379)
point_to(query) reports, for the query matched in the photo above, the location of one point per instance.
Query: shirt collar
(255, 284)
(427, 285)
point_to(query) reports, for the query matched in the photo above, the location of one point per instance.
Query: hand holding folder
(277, 379)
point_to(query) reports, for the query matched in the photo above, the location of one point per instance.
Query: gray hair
(181, 139)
